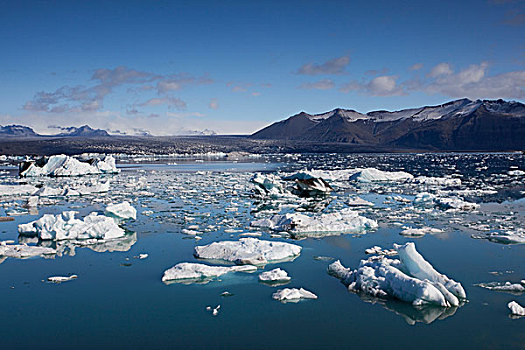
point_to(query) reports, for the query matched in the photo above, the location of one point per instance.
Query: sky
(181, 67)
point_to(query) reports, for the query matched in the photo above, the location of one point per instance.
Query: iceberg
(300, 225)
(449, 203)
(358, 202)
(375, 175)
(275, 275)
(63, 165)
(312, 187)
(195, 272)
(122, 210)
(437, 181)
(248, 251)
(68, 191)
(508, 237)
(66, 226)
(22, 251)
(419, 232)
(410, 279)
(268, 185)
(514, 288)
(516, 309)
(60, 279)
(293, 294)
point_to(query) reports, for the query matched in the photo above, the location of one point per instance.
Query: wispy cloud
(385, 85)
(325, 84)
(334, 66)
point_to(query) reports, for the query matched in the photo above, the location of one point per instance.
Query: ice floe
(376, 175)
(419, 232)
(67, 190)
(66, 226)
(17, 190)
(275, 275)
(516, 309)
(22, 251)
(201, 273)
(249, 250)
(515, 288)
(301, 225)
(445, 203)
(411, 279)
(63, 165)
(507, 237)
(122, 210)
(293, 294)
(60, 279)
(358, 202)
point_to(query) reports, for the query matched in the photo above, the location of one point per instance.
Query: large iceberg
(411, 279)
(66, 226)
(250, 251)
(300, 225)
(194, 272)
(63, 165)
(375, 175)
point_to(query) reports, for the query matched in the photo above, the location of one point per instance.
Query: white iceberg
(411, 279)
(63, 165)
(249, 250)
(445, 203)
(22, 251)
(122, 210)
(66, 226)
(375, 175)
(508, 237)
(516, 288)
(300, 225)
(358, 202)
(419, 232)
(437, 181)
(194, 272)
(60, 279)
(68, 191)
(275, 275)
(268, 185)
(516, 309)
(293, 294)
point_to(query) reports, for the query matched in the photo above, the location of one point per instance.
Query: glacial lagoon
(464, 209)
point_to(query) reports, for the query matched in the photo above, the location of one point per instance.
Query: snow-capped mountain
(457, 125)
(17, 130)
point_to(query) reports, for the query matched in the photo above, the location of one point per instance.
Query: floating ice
(17, 190)
(68, 191)
(300, 225)
(411, 279)
(516, 309)
(438, 181)
(251, 251)
(268, 185)
(22, 251)
(66, 226)
(275, 275)
(419, 232)
(122, 210)
(312, 187)
(60, 279)
(377, 250)
(517, 288)
(293, 294)
(358, 202)
(450, 203)
(62, 165)
(194, 272)
(375, 175)
(508, 237)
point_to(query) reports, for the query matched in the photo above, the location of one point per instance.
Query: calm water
(119, 301)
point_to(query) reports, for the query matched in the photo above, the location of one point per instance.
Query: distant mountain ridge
(25, 131)
(456, 125)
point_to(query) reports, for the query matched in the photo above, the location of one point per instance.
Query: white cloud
(385, 85)
(440, 69)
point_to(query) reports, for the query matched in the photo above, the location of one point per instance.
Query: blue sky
(171, 67)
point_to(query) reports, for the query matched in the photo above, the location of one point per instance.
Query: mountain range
(463, 124)
(25, 131)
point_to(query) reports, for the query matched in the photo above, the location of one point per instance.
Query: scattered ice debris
(227, 294)
(268, 185)
(516, 309)
(201, 273)
(358, 202)
(377, 250)
(215, 311)
(60, 279)
(438, 181)
(419, 232)
(17, 190)
(122, 210)
(22, 251)
(69, 191)
(516, 172)
(411, 279)
(300, 225)
(375, 175)
(275, 275)
(141, 256)
(508, 237)
(62, 165)
(66, 226)
(293, 294)
(450, 203)
(249, 251)
(515, 288)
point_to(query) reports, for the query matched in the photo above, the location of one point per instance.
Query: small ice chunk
(293, 294)
(187, 272)
(17, 190)
(375, 175)
(419, 232)
(249, 250)
(516, 309)
(358, 202)
(122, 210)
(275, 275)
(503, 287)
(60, 279)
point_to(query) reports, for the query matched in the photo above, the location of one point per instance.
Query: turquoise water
(119, 301)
